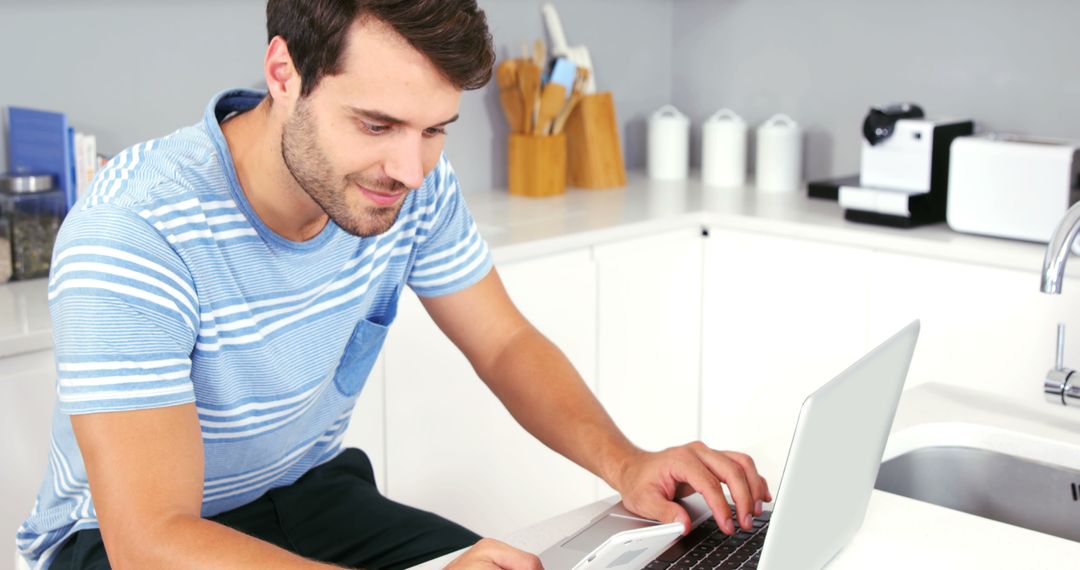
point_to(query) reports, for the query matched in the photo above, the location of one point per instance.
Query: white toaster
(1011, 186)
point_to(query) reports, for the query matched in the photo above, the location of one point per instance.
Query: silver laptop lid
(834, 458)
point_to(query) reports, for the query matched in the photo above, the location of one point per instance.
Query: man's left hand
(651, 481)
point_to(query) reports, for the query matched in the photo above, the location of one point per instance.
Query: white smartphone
(632, 549)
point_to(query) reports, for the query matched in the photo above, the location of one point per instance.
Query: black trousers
(334, 514)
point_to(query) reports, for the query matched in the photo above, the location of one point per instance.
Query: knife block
(537, 165)
(594, 155)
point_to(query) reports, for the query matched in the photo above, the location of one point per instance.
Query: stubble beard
(308, 165)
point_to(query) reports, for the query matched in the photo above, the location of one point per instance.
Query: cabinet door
(982, 327)
(649, 336)
(451, 446)
(782, 317)
(27, 394)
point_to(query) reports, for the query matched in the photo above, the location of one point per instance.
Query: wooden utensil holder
(537, 165)
(594, 155)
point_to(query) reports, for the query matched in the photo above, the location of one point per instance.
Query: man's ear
(282, 79)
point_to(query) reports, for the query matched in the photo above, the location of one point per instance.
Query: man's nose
(405, 162)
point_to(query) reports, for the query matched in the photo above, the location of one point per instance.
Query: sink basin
(1018, 491)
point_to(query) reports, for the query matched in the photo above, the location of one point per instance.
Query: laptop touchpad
(595, 534)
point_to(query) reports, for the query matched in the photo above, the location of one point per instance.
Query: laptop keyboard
(708, 548)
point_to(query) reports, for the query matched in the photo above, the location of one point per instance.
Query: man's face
(366, 137)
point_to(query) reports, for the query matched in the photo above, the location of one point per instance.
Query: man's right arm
(146, 476)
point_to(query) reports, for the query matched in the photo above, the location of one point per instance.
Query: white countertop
(24, 317)
(519, 228)
(901, 533)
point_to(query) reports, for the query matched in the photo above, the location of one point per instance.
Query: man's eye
(435, 131)
(374, 128)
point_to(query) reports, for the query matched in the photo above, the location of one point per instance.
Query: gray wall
(129, 70)
(1011, 65)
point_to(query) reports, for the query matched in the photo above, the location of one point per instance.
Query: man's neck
(255, 145)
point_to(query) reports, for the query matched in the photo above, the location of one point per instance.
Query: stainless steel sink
(1012, 490)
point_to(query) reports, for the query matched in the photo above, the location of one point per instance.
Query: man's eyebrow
(385, 118)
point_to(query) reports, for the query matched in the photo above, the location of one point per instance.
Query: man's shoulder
(172, 169)
(147, 189)
(442, 178)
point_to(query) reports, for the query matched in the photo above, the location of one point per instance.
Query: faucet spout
(1057, 252)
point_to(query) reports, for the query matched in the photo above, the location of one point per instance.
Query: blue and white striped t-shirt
(166, 289)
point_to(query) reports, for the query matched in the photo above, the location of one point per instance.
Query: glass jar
(31, 209)
(5, 249)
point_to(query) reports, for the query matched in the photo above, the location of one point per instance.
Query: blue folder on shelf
(42, 141)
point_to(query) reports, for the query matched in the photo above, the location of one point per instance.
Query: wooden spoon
(510, 95)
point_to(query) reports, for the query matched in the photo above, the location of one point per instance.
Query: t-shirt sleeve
(451, 255)
(124, 314)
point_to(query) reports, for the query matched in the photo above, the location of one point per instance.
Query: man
(219, 297)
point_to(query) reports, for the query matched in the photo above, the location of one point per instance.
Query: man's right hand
(488, 554)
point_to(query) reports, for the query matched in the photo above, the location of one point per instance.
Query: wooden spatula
(528, 75)
(575, 97)
(551, 102)
(510, 95)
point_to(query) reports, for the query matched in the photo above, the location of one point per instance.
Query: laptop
(820, 504)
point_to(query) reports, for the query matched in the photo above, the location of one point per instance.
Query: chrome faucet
(1060, 385)
(1058, 251)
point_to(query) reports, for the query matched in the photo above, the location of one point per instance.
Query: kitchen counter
(24, 317)
(901, 533)
(520, 228)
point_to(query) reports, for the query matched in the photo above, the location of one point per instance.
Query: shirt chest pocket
(360, 353)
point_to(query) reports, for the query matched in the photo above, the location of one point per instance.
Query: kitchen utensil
(529, 84)
(580, 75)
(723, 150)
(563, 72)
(669, 144)
(551, 102)
(559, 48)
(779, 155)
(567, 110)
(510, 95)
(539, 54)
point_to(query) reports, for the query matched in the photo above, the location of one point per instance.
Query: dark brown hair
(453, 34)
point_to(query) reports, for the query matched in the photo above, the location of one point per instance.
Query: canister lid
(779, 123)
(27, 183)
(669, 114)
(725, 115)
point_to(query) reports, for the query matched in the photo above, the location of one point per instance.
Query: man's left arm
(546, 395)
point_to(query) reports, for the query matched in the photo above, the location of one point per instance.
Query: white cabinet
(451, 446)
(367, 427)
(781, 317)
(27, 393)
(681, 337)
(649, 336)
(982, 327)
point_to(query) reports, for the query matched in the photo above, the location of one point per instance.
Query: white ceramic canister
(779, 155)
(723, 150)
(669, 144)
